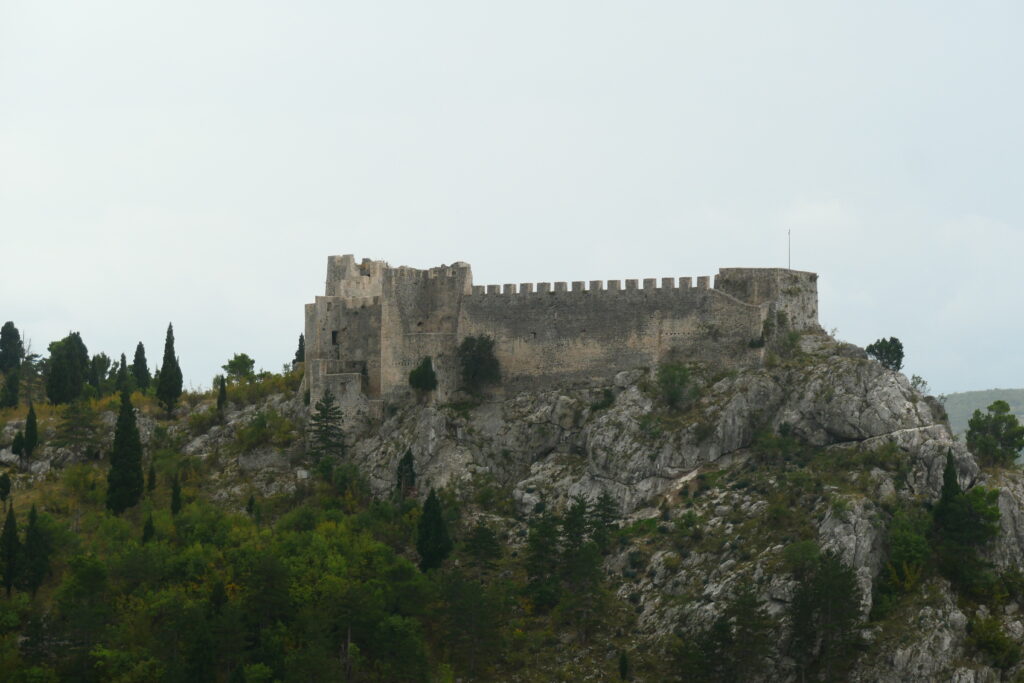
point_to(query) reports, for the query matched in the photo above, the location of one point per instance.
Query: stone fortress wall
(375, 323)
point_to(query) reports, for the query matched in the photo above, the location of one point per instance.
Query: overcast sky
(196, 162)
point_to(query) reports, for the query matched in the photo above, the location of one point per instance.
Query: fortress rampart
(375, 323)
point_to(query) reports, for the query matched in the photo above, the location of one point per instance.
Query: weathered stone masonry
(375, 323)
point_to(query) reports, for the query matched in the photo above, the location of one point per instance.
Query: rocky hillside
(744, 501)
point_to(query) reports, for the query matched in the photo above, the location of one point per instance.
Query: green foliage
(674, 385)
(18, 445)
(31, 431)
(433, 542)
(10, 550)
(478, 365)
(169, 382)
(222, 397)
(824, 614)
(11, 390)
(422, 377)
(997, 437)
(149, 530)
(79, 428)
(543, 587)
(35, 554)
(124, 479)
(5, 487)
(472, 619)
(12, 350)
(888, 352)
(300, 352)
(326, 438)
(267, 427)
(175, 496)
(240, 368)
(67, 369)
(987, 635)
(602, 520)
(405, 477)
(140, 370)
(483, 548)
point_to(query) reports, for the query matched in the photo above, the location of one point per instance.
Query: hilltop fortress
(375, 323)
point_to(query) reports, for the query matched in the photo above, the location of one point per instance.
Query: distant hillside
(962, 405)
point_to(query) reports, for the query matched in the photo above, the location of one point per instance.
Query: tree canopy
(479, 366)
(168, 388)
(140, 370)
(995, 437)
(67, 370)
(888, 352)
(124, 479)
(12, 350)
(240, 367)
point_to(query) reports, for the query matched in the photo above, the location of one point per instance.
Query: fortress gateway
(375, 323)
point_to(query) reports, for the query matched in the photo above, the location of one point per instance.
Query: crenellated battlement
(376, 322)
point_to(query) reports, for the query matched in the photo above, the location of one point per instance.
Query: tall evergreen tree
(79, 428)
(36, 554)
(140, 371)
(432, 540)
(151, 479)
(222, 397)
(10, 550)
(99, 367)
(12, 382)
(68, 369)
(168, 388)
(12, 350)
(601, 518)
(124, 480)
(543, 587)
(328, 439)
(148, 530)
(31, 431)
(300, 353)
(175, 496)
(5, 487)
(125, 381)
(18, 447)
(406, 475)
(483, 548)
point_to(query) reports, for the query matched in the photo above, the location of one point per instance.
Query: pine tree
(11, 348)
(168, 388)
(124, 480)
(99, 367)
(300, 353)
(432, 540)
(222, 397)
(175, 496)
(328, 439)
(79, 428)
(139, 368)
(36, 554)
(542, 563)
(31, 431)
(406, 475)
(18, 447)
(9, 397)
(67, 370)
(601, 518)
(483, 548)
(151, 479)
(5, 487)
(148, 530)
(10, 550)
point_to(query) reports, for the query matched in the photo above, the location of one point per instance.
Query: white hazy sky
(196, 162)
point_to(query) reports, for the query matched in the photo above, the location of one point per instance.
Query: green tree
(18, 446)
(543, 586)
(124, 479)
(422, 377)
(300, 353)
(479, 366)
(673, 384)
(483, 548)
(824, 614)
(472, 619)
(140, 370)
(175, 496)
(432, 540)
(602, 520)
(997, 437)
(5, 487)
(148, 530)
(12, 382)
(168, 387)
(67, 369)
(31, 431)
(222, 398)
(10, 550)
(79, 428)
(12, 350)
(36, 554)
(240, 367)
(124, 380)
(405, 477)
(99, 369)
(327, 438)
(888, 352)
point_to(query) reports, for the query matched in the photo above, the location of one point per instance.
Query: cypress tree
(250, 505)
(10, 550)
(300, 353)
(9, 397)
(148, 530)
(175, 496)
(432, 540)
(222, 397)
(11, 348)
(5, 487)
(18, 447)
(36, 554)
(31, 431)
(168, 388)
(151, 479)
(68, 369)
(406, 475)
(139, 368)
(124, 480)
(123, 377)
